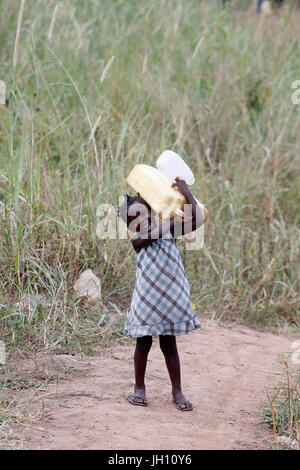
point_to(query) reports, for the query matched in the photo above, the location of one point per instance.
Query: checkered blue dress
(161, 303)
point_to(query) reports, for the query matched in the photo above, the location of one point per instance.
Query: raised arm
(177, 225)
(182, 226)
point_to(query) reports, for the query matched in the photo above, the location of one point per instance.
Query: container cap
(172, 165)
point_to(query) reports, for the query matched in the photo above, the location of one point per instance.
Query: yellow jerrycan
(157, 190)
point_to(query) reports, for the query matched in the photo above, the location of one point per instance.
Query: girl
(161, 300)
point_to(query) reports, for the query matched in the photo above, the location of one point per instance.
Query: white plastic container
(172, 165)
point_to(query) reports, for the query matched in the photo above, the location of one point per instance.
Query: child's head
(133, 207)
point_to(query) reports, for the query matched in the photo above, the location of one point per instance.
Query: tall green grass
(282, 412)
(212, 84)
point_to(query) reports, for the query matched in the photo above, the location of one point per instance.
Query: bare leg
(143, 346)
(169, 348)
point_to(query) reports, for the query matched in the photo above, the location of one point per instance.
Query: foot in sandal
(181, 402)
(138, 398)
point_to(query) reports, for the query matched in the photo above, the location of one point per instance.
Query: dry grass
(213, 85)
(283, 410)
(20, 17)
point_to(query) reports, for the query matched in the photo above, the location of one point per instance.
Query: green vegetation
(117, 83)
(283, 410)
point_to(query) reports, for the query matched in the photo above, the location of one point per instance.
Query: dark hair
(127, 203)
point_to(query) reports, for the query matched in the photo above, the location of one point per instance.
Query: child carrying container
(161, 304)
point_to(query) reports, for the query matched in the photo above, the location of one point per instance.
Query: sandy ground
(225, 372)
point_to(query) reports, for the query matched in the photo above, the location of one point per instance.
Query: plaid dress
(161, 302)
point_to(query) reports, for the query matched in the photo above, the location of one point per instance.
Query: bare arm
(196, 219)
(177, 225)
(142, 240)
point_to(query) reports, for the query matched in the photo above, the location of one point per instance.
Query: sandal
(188, 406)
(136, 400)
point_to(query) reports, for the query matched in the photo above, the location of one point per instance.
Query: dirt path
(225, 372)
